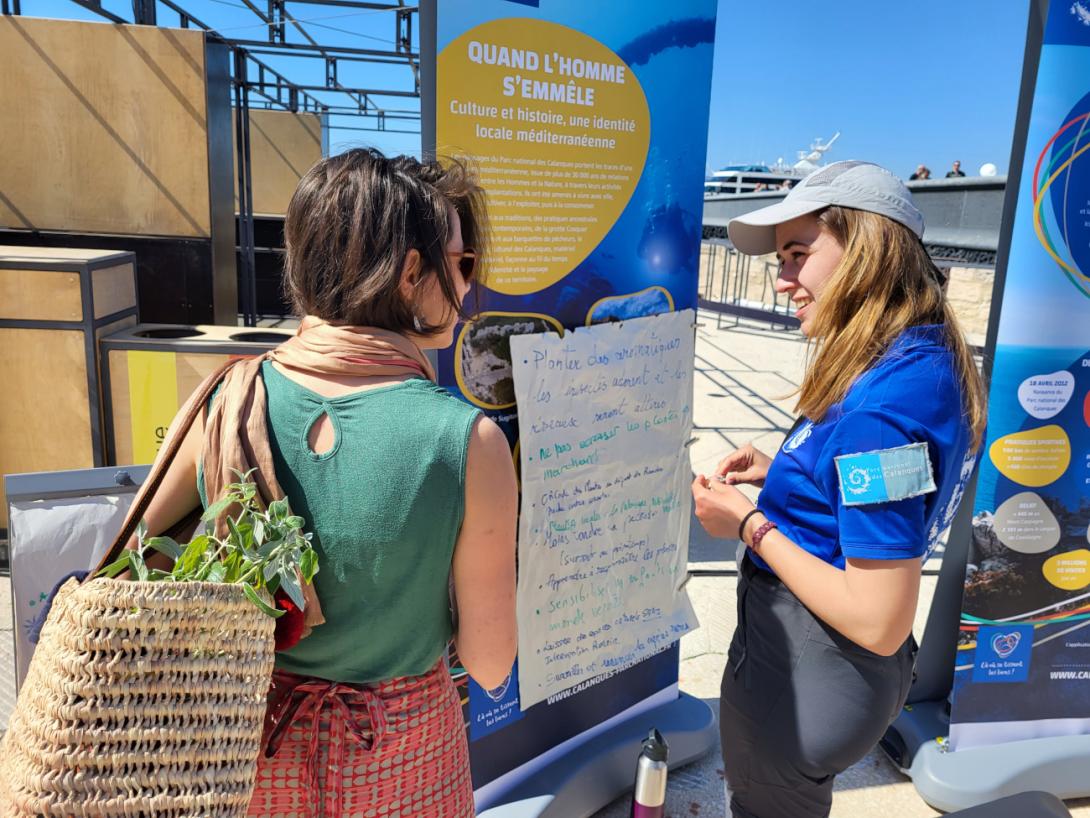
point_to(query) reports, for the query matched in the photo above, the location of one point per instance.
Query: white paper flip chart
(604, 416)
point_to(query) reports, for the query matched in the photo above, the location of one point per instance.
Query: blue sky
(905, 82)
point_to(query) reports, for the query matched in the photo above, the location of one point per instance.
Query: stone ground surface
(744, 374)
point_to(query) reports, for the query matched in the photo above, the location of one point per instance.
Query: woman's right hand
(746, 465)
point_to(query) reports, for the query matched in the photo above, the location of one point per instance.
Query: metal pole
(740, 271)
(428, 24)
(709, 285)
(710, 289)
(723, 286)
(143, 12)
(708, 256)
(245, 193)
(742, 283)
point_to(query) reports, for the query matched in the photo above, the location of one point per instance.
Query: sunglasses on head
(467, 263)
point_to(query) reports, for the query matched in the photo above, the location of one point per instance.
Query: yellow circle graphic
(1033, 458)
(559, 126)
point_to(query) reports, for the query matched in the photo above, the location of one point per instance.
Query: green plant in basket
(264, 550)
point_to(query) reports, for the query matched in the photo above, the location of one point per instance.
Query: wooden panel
(283, 146)
(43, 368)
(13, 253)
(120, 415)
(40, 295)
(100, 362)
(111, 128)
(113, 289)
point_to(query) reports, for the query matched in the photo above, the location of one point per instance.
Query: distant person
(955, 170)
(922, 172)
(891, 412)
(786, 184)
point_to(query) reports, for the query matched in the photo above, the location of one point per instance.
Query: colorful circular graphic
(1061, 189)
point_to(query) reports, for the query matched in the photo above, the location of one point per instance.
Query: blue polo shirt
(882, 475)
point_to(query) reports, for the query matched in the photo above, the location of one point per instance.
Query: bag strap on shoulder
(193, 407)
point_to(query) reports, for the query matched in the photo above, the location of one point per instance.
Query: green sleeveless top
(385, 504)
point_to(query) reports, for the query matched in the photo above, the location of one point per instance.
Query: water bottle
(649, 793)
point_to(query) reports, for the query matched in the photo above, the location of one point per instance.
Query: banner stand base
(591, 776)
(955, 780)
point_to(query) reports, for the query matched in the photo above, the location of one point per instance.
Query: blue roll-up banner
(588, 122)
(1023, 661)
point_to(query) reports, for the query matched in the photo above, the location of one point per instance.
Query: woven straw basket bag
(142, 698)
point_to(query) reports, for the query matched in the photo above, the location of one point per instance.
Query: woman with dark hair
(410, 493)
(891, 413)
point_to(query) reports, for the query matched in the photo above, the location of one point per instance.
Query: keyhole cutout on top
(322, 435)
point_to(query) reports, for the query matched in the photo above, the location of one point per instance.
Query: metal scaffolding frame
(256, 84)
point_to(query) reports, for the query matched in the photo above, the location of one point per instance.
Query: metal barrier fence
(734, 284)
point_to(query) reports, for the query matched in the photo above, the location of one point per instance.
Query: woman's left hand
(719, 507)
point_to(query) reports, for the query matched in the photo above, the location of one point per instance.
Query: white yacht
(734, 180)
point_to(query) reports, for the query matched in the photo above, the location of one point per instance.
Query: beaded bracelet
(742, 525)
(759, 534)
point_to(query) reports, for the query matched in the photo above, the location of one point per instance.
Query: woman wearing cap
(891, 412)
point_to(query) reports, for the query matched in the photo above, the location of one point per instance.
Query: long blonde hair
(884, 284)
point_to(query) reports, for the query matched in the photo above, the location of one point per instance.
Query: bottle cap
(655, 746)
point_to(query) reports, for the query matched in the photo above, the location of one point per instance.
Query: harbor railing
(734, 285)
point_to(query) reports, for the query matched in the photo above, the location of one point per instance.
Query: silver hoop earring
(418, 325)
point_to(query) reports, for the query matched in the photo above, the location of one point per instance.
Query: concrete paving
(744, 376)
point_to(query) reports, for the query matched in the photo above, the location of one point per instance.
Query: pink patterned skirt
(393, 749)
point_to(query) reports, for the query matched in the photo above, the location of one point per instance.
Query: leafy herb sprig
(263, 550)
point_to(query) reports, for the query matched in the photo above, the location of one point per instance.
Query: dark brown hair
(354, 218)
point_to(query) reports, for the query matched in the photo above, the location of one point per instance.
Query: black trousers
(799, 702)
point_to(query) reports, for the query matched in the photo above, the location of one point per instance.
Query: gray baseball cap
(859, 185)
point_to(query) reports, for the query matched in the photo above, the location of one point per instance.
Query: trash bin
(150, 369)
(55, 303)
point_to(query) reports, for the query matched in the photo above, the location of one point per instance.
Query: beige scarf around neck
(236, 436)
